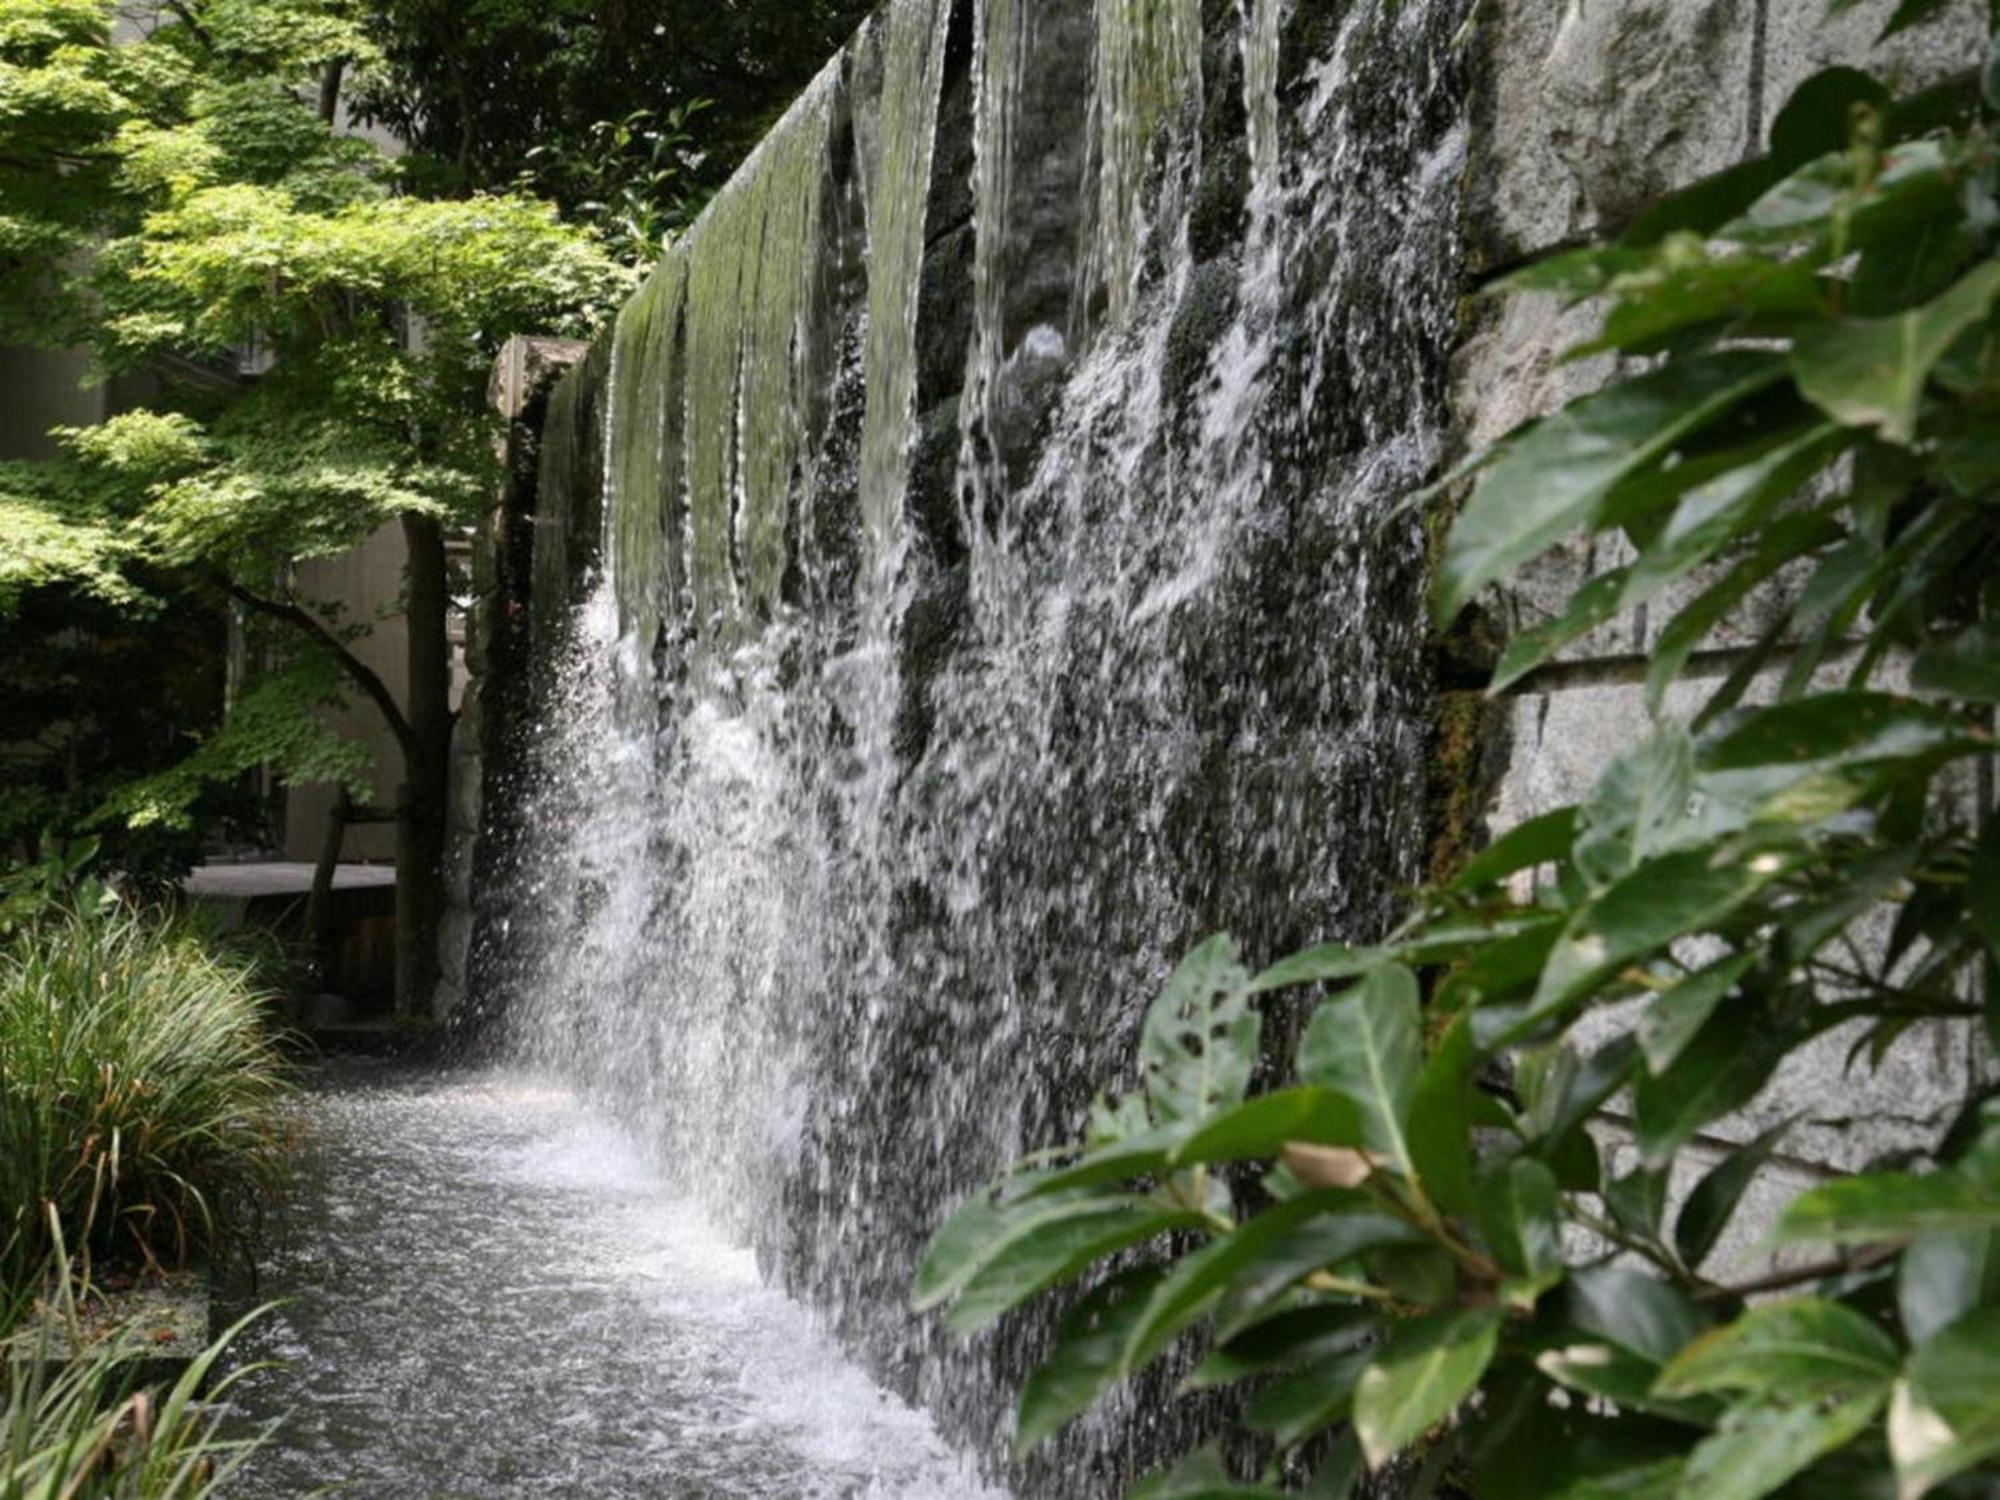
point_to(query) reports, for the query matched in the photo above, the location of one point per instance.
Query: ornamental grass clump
(139, 1092)
(78, 1430)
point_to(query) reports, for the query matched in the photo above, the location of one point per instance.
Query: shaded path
(491, 1294)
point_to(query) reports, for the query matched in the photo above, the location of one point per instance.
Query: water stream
(490, 1292)
(999, 588)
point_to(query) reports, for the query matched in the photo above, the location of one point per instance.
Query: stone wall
(1585, 113)
(476, 832)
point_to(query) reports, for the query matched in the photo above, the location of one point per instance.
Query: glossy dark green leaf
(1984, 909)
(1418, 1378)
(1295, 1407)
(1292, 1336)
(1201, 1476)
(1198, 1281)
(1712, 1204)
(1330, 1240)
(1034, 1254)
(1084, 1362)
(1721, 1070)
(1260, 1126)
(1520, 1212)
(1531, 844)
(1576, 1092)
(1805, 1348)
(1663, 900)
(1555, 478)
(1199, 1042)
(1637, 807)
(1806, 760)
(1418, 1275)
(1326, 963)
(1637, 1312)
(1139, 1155)
(1889, 1206)
(1507, 966)
(1819, 116)
(1618, 1375)
(1440, 1128)
(1945, 1417)
(1339, 1471)
(1638, 1201)
(1674, 1017)
(1777, 546)
(1727, 291)
(1590, 606)
(1759, 1449)
(1870, 372)
(1740, 490)
(1906, 14)
(1966, 665)
(1942, 1277)
(1367, 1044)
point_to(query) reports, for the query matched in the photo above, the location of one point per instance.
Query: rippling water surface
(489, 1292)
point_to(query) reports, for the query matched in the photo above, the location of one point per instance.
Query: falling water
(997, 589)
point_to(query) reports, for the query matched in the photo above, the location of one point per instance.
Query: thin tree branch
(364, 676)
(1864, 1259)
(195, 28)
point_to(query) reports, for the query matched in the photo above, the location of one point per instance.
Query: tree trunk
(421, 804)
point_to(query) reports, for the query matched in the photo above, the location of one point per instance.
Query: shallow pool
(489, 1292)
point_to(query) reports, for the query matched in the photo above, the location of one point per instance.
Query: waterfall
(966, 575)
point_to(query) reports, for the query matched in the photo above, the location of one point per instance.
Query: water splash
(999, 593)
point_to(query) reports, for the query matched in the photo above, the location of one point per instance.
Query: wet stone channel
(486, 1291)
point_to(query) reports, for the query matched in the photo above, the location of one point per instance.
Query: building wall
(366, 586)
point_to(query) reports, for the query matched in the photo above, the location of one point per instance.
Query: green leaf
(1941, 1277)
(1197, 1283)
(1620, 1376)
(1806, 1348)
(1888, 1206)
(1637, 807)
(1322, 964)
(1723, 1069)
(1870, 372)
(1367, 1044)
(1292, 1409)
(1984, 877)
(1047, 1241)
(1202, 1476)
(1673, 1018)
(1199, 1042)
(1419, 1377)
(1553, 479)
(1662, 901)
(1520, 1211)
(1329, 1240)
(1709, 1207)
(1085, 1360)
(1291, 1337)
(1440, 1127)
(1805, 760)
(1907, 13)
(1138, 1155)
(1632, 1310)
(1533, 843)
(1966, 665)
(1760, 1448)
(1945, 1415)
(1778, 545)
(1260, 1126)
